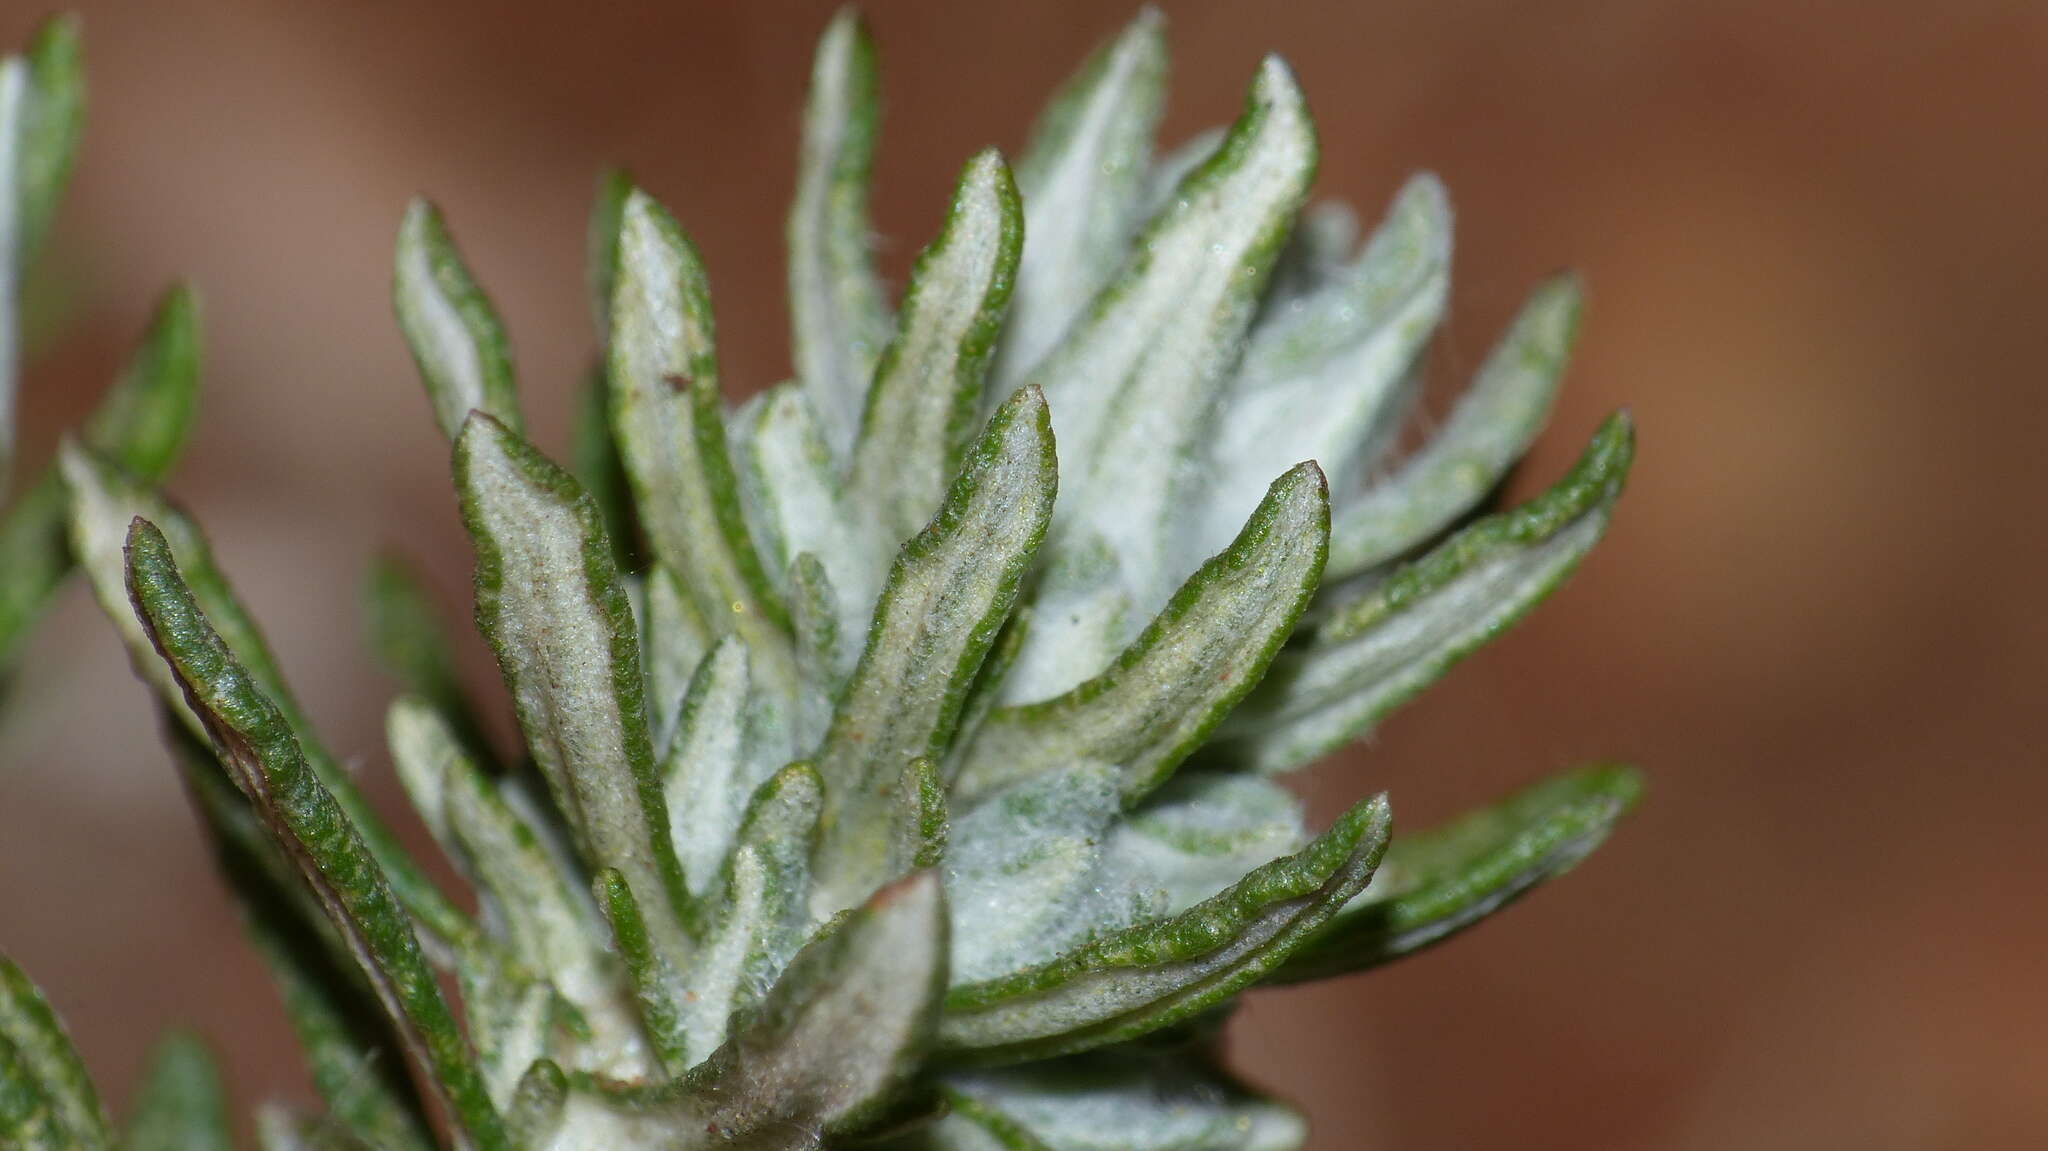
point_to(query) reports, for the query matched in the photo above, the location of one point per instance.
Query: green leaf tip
(182, 1103)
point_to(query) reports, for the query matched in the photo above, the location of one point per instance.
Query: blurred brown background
(1816, 237)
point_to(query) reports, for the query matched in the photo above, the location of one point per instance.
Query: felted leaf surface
(550, 602)
(1159, 973)
(1165, 692)
(667, 418)
(826, 1052)
(1326, 374)
(926, 398)
(1117, 1100)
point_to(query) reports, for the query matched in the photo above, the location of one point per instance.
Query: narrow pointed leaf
(658, 981)
(1157, 974)
(667, 418)
(53, 119)
(822, 651)
(182, 1105)
(1486, 433)
(456, 339)
(104, 504)
(1083, 178)
(926, 398)
(43, 1052)
(1122, 1100)
(762, 910)
(550, 601)
(839, 316)
(1441, 881)
(1377, 651)
(952, 587)
(1327, 377)
(140, 425)
(525, 901)
(792, 485)
(1158, 344)
(256, 742)
(1170, 688)
(705, 771)
(142, 422)
(42, 102)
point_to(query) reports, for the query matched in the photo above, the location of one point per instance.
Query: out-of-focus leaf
(839, 315)
(1441, 881)
(182, 1105)
(140, 425)
(104, 504)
